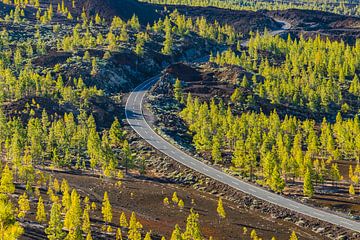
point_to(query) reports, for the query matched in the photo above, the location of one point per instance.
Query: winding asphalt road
(135, 117)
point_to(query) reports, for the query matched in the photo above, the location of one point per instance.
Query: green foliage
(116, 134)
(220, 209)
(168, 43)
(181, 204)
(312, 75)
(351, 190)
(293, 236)
(134, 228)
(215, 151)
(54, 230)
(308, 185)
(268, 148)
(106, 209)
(24, 205)
(343, 8)
(86, 225)
(10, 228)
(277, 184)
(147, 236)
(88, 236)
(118, 235)
(192, 230)
(123, 220)
(40, 212)
(176, 234)
(175, 198)
(178, 90)
(6, 183)
(72, 221)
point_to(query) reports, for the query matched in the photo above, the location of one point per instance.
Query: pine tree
(116, 134)
(94, 67)
(86, 56)
(127, 156)
(124, 37)
(134, 22)
(175, 198)
(236, 96)
(72, 220)
(178, 94)
(88, 236)
(253, 234)
(215, 152)
(10, 228)
(111, 40)
(220, 209)
(277, 184)
(293, 236)
(123, 220)
(335, 173)
(167, 48)
(7, 185)
(40, 212)
(106, 209)
(66, 199)
(24, 205)
(181, 204)
(351, 190)
(147, 236)
(54, 230)
(97, 19)
(355, 86)
(176, 234)
(86, 226)
(139, 47)
(192, 230)
(308, 185)
(93, 147)
(118, 235)
(134, 228)
(166, 201)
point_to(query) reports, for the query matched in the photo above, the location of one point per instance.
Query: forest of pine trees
(337, 6)
(272, 150)
(266, 148)
(318, 75)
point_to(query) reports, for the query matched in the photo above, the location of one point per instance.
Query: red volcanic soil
(316, 19)
(145, 198)
(310, 24)
(242, 21)
(110, 8)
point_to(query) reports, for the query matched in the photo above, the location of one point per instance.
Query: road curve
(135, 117)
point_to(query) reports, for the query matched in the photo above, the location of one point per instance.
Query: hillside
(228, 87)
(125, 9)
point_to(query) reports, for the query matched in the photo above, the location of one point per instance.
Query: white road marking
(135, 101)
(294, 206)
(219, 176)
(347, 223)
(318, 214)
